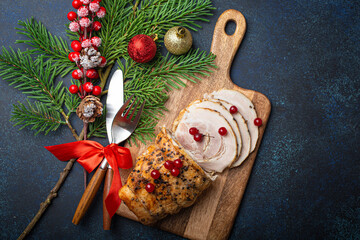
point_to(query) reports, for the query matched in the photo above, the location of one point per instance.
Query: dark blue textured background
(303, 54)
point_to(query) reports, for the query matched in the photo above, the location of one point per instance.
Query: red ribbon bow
(90, 154)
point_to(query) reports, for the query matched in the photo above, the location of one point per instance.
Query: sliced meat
(217, 106)
(245, 134)
(245, 107)
(214, 152)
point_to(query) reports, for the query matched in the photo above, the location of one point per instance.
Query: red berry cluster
(83, 23)
(195, 132)
(172, 166)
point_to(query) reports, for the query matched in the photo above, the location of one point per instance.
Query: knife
(114, 101)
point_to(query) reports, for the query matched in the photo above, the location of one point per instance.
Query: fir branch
(98, 128)
(33, 78)
(43, 42)
(36, 115)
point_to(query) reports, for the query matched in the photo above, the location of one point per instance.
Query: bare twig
(44, 205)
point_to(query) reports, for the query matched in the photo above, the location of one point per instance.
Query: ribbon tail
(113, 200)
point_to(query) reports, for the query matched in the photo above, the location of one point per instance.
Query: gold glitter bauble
(178, 40)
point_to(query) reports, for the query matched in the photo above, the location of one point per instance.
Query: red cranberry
(169, 165)
(73, 89)
(222, 131)
(96, 91)
(233, 109)
(175, 172)
(198, 137)
(178, 163)
(193, 131)
(150, 187)
(155, 174)
(258, 122)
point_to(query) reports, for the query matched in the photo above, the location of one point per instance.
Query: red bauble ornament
(198, 137)
(258, 122)
(233, 109)
(73, 89)
(96, 91)
(142, 48)
(88, 87)
(76, 4)
(71, 16)
(97, 25)
(155, 174)
(178, 163)
(222, 131)
(150, 187)
(76, 46)
(175, 172)
(92, 73)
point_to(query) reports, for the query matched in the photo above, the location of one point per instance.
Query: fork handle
(89, 195)
(107, 185)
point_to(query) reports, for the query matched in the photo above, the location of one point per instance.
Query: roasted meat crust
(171, 193)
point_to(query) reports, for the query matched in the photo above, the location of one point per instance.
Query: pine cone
(89, 109)
(90, 58)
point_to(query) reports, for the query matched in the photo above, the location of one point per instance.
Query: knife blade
(114, 102)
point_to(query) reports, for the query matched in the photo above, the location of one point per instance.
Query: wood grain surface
(213, 215)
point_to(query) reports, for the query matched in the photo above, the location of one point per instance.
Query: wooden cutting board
(213, 214)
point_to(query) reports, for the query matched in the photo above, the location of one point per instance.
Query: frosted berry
(83, 11)
(74, 56)
(97, 25)
(198, 137)
(101, 13)
(71, 16)
(155, 174)
(103, 61)
(77, 74)
(73, 89)
(150, 187)
(222, 131)
(142, 48)
(258, 122)
(86, 43)
(175, 172)
(193, 131)
(88, 87)
(94, 7)
(76, 4)
(169, 165)
(233, 109)
(92, 73)
(96, 41)
(86, 2)
(85, 22)
(76, 46)
(74, 27)
(96, 90)
(178, 163)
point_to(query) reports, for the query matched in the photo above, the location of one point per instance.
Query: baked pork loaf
(171, 193)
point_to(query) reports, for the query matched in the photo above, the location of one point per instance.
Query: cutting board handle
(225, 46)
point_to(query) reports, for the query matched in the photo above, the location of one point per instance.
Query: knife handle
(88, 195)
(107, 185)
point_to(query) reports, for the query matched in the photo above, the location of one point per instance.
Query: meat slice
(245, 107)
(217, 106)
(214, 152)
(245, 134)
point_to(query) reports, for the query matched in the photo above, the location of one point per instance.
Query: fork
(124, 126)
